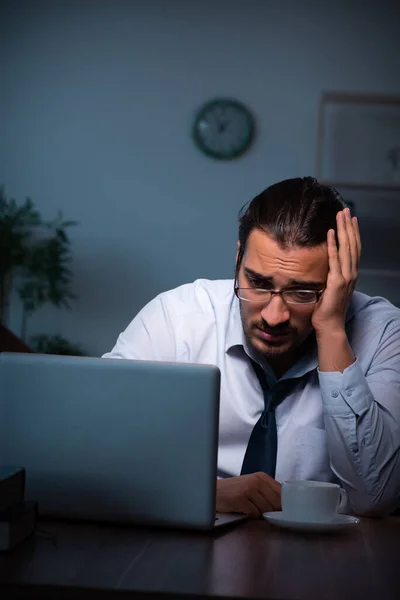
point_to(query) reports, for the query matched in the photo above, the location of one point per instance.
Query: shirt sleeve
(150, 336)
(362, 421)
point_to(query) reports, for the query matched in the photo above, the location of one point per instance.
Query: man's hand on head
(251, 494)
(329, 316)
(330, 312)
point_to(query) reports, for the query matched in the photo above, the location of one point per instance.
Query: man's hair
(294, 212)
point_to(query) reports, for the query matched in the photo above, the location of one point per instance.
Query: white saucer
(335, 523)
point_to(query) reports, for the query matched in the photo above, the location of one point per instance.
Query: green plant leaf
(37, 264)
(55, 344)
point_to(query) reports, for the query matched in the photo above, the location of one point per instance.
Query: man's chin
(275, 348)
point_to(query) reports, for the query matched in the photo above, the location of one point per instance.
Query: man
(310, 369)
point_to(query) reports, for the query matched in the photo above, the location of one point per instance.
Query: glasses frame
(318, 294)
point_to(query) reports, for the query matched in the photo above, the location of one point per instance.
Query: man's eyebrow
(264, 280)
(254, 275)
(318, 285)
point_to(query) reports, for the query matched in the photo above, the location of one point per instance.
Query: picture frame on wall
(358, 142)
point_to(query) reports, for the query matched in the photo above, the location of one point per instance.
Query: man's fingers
(270, 489)
(272, 498)
(250, 508)
(334, 263)
(251, 494)
(358, 239)
(345, 257)
(354, 259)
(270, 482)
(261, 502)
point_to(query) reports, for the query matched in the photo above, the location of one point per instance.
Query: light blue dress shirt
(332, 426)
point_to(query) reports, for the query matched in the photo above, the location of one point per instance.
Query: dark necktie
(263, 443)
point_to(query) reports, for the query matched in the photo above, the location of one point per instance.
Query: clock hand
(222, 125)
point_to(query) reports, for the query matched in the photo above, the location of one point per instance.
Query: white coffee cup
(311, 500)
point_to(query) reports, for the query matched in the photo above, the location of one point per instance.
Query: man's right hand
(251, 494)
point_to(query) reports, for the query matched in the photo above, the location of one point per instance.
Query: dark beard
(301, 345)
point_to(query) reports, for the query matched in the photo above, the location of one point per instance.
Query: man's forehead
(265, 256)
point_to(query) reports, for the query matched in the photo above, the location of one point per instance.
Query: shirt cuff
(345, 393)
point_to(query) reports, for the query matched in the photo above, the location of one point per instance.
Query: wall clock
(223, 129)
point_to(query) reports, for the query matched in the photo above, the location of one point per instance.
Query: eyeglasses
(288, 296)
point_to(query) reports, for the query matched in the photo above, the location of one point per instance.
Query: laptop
(113, 440)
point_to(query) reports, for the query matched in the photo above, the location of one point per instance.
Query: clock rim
(245, 145)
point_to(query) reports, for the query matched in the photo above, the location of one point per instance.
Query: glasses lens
(254, 295)
(300, 297)
(291, 297)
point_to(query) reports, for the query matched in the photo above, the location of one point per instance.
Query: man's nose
(275, 312)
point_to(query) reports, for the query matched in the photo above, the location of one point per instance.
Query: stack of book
(17, 517)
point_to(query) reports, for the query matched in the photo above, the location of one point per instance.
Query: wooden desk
(250, 560)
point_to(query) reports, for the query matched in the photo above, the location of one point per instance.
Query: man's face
(276, 329)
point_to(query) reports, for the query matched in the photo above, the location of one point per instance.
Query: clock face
(223, 129)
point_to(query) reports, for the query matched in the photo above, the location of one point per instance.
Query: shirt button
(349, 392)
(335, 394)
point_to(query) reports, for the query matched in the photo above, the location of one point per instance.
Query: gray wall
(96, 106)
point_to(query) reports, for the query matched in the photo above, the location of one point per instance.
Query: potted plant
(34, 260)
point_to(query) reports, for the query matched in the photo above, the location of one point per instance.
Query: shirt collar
(235, 334)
